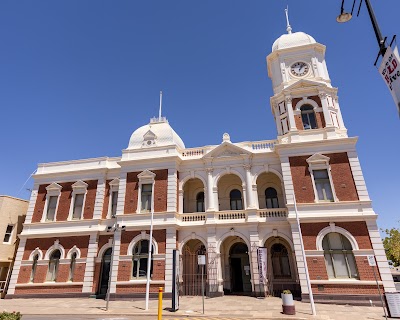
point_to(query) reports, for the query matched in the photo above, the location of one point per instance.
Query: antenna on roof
(159, 112)
(288, 27)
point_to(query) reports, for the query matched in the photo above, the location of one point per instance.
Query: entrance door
(191, 273)
(104, 274)
(240, 269)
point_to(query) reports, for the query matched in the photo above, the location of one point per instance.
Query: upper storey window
(113, 201)
(50, 207)
(236, 200)
(308, 117)
(146, 182)
(78, 200)
(200, 202)
(323, 185)
(146, 197)
(271, 198)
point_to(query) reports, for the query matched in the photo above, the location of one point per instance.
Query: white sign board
(262, 264)
(201, 260)
(175, 280)
(371, 261)
(393, 302)
(390, 72)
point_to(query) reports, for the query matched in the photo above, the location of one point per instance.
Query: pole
(150, 247)
(111, 268)
(314, 312)
(378, 34)
(202, 285)
(159, 112)
(160, 291)
(379, 290)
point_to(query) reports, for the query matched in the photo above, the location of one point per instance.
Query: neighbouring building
(222, 200)
(12, 216)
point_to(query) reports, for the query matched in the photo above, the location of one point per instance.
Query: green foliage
(286, 292)
(10, 315)
(392, 245)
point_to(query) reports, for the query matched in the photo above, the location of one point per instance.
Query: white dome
(291, 40)
(155, 134)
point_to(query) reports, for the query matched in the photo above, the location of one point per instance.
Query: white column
(172, 190)
(180, 209)
(210, 194)
(32, 203)
(17, 266)
(255, 196)
(170, 245)
(212, 263)
(358, 176)
(115, 264)
(324, 101)
(339, 113)
(99, 201)
(249, 188)
(289, 107)
(90, 264)
(121, 193)
(278, 119)
(299, 258)
(380, 256)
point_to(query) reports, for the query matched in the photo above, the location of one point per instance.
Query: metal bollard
(160, 291)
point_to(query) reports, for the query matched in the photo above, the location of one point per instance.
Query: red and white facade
(224, 200)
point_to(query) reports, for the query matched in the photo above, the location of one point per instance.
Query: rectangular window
(114, 201)
(323, 185)
(51, 208)
(146, 197)
(78, 206)
(7, 236)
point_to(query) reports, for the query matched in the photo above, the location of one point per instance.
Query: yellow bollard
(160, 291)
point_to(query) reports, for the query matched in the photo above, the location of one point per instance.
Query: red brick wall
(160, 191)
(365, 271)
(103, 239)
(43, 244)
(319, 116)
(96, 277)
(346, 289)
(358, 229)
(65, 201)
(106, 200)
(342, 178)
(49, 289)
(137, 288)
(317, 268)
(125, 270)
(127, 236)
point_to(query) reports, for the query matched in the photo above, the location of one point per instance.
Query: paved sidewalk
(228, 306)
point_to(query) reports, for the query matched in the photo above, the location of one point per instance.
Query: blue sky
(78, 77)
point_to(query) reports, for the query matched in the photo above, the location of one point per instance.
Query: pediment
(149, 135)
(79, 184)
(146, 174)
(303, 83)
(54, 187)
(318, 158)
(226, 150)
(114, 182)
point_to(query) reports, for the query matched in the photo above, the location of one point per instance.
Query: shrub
(286, 292)
(10, 315)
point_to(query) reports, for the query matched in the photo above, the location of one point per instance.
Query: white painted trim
(34, 252)
(187, 177)
(72, 250)
(142, 236)
(53, 190)
(55, 246)
(185, 240)
(104, 248)
(145, 177)
(279, 234)
(226, 172)
(78, 187)
(334, 228)
(114, 186)
(268, 170)
(228, 234)
(136, 281)
(346, 282)
(305, 101)
(49, 284)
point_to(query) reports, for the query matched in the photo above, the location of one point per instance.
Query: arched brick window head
(53, 265)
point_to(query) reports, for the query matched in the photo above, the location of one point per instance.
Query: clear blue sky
(78, 77)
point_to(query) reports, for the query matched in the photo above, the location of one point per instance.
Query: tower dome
(158, 133)
(291, 40)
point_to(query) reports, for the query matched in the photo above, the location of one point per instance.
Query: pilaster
(358, 176)
(32, 203)
(172, 190)
(301, 270)
(115, 261)
(121, 193)
(289, 107)
(99, 201)
(210, 194)
(17, 266)
(170, 245)
(90, 263)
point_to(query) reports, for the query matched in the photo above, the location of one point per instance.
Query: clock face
(299, 69)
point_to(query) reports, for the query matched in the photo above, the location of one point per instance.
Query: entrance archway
(104, 273)
(236, 262)
(191, 271)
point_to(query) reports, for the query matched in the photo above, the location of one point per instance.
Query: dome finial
(288, 27)
(159, 112)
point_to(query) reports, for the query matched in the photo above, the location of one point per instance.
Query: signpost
(372, 263)
(175, 280)
(201, 261)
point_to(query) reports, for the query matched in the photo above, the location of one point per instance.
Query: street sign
(371, 261)
(201, 260)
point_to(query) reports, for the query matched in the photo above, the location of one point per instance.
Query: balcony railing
(273, 213)
(193, 217)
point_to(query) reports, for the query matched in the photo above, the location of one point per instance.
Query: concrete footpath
(191, 307)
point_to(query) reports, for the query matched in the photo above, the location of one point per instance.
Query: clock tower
(305, 105)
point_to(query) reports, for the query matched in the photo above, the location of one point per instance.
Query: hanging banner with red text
(262, 264)
(390, 72)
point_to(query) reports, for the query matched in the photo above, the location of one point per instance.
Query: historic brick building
(224, 200)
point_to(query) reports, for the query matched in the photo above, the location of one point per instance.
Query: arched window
(280, 261)
(236, 199)
(72, 266)
(34, 266)
(271, 198)
(339, 257)
(308, 117)
(140, 259)
(53, 265)
(200, 202)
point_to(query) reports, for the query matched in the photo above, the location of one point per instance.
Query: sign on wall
(390, 72)
(262, 264)
(175, 280)
(371, 261)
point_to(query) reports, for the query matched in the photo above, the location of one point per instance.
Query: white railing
(195, 152)
(231, 215)
(193, 217)
(273, 213)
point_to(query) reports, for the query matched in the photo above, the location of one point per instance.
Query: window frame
(35, 262)
(53, 190)
(141, 256)
(310, 110)
(114, 187)
(266, 199)
(52, 276)
(236, 200)
(199, 202)
(145, 177)
(72, 266)
(9, 233)
(78, 188)
(321, 162)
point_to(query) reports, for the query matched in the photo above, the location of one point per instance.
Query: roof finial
(159, 112)
(288, 27)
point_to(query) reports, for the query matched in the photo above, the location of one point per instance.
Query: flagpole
(150, 247)
(310, 293)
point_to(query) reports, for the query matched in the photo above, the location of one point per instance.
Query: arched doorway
(235, 264)
(104, 273)
(191, 271)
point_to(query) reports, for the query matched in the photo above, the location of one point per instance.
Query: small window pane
(7, 235)
(53, 265)
(114, 201)
(340, 265)
(352, 265)
(335, 243)
(51, 208)
(78, 206)
(146, 197)
(34, 265)
(200, 202)
(329, 266)
(320, 174)
(236, 199)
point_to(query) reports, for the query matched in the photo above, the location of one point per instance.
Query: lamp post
(345, 17)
